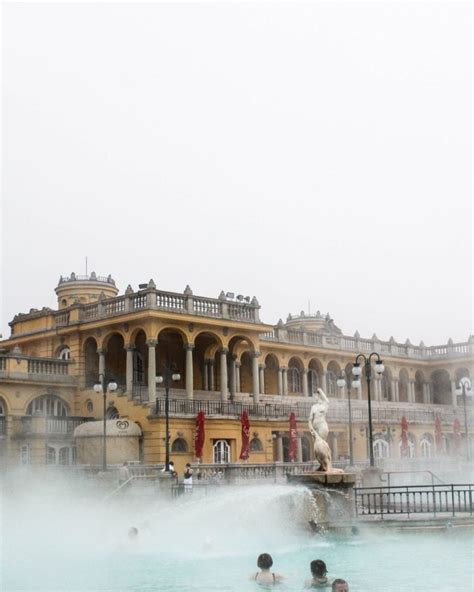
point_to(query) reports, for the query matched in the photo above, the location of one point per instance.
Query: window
(50, 455)
(138, 368)
(425, 448)
(47, 405)
(179, 445)
(331, 382)
(410, 452)
(221, 452)
(64, 353)
(90, 407)
(25, 454)
(64, 456)
(256, 445)
(294, 380)
(381, 449)
(112, 413)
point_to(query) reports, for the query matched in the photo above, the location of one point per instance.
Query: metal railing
(415, 499)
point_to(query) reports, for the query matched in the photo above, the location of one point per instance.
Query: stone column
(237, 376)
(205, 375)
(232, 380)
(261, 373)
(152, 343)
(453, 393)
(411, 391)
(129, 371)
(324, 382)
(394, 390)
(212, 382)
(285, 381)
(223, 364)
(101, 351)
(299, 450)
(304, 379)
(280, 381)
(279, 448)
(189, 370)
(255, 384)
(426, 393)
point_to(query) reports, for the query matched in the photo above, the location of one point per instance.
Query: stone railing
(20, 367)
(360, 345)
(382, 413)
(31, 424)
(86, 278)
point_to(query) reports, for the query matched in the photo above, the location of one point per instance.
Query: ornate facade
(227, 360)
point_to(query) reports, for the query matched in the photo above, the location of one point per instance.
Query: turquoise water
(57, 539)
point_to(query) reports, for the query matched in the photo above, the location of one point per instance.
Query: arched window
(112, 413)
(381, 449)
(256, 445)
(179, 445)
(64, 353)
(50, 455)
(221, 452)
(332, 385)
(294, 380)
(425, 448)
(48, 406)
(90, 406)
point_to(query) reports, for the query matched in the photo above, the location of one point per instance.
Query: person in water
(319, 572)
(265, 576)
(188, 477)
(340, 586)
(132, 532)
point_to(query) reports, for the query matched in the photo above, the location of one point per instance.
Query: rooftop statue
(319, 429)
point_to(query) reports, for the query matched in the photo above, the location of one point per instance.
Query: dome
(312, 323)
(114, 427)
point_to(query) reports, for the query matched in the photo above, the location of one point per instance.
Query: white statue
(319, 429)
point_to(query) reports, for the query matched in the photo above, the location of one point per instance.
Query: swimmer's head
(264, 561)
(132, 532)
(340, 586)
(318, 568)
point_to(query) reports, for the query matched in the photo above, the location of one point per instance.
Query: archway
(91, 362)
(116, 359)
(403, 386)
(387, 391)
(295, 376)
(204, 356)
(333, 373)
(419, 387)
(170, 350)
(441, 387)
(315, 370)
(271, 374)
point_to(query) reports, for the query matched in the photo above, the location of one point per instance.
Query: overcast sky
(296, 152)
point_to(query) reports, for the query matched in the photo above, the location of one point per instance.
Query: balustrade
(38, 366)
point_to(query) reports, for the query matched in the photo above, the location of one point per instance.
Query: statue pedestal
(333, 498)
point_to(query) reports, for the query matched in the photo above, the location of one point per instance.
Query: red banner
(293, 438)
(245, 451)
(200, 435)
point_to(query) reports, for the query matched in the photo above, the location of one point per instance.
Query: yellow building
(228, 360)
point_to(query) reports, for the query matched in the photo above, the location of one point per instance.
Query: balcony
(20, 367)
(41, 426)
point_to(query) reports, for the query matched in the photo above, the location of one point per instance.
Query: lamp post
(103, 386)
(464, 387)
(343, 381)
(356, 371)
(167, 378)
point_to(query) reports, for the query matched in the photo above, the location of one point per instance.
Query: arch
(174, 329)
(237, 338)
(332, 374)
(426, 446)
(170, 349)
(272, 366)
(64, 352)
(441, 387)
(403, 386)
(315, 371)
(140, 358)
(179, 445)
(116, 358)
(3, 406)
(108, 336)
(206, 345)
(295, 375)
(381, 448)
(419, 386)
(246, 372)
(47, 406)
(112, 412)
(91, 361)
(386, 385)
(461, 373)
(135, 332)
(256, 445)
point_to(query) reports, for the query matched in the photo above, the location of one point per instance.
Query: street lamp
(465, 387)
(167, 378)
(356, 371)
(343, 381)
(103, 386)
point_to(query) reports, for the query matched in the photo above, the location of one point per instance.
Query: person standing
(124, 474)
(188, 477)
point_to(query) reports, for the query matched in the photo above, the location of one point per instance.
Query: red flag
(457, 438)
(404, 449)
(438, 435)
(245, 451)
(293, 438)
(200, 434)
